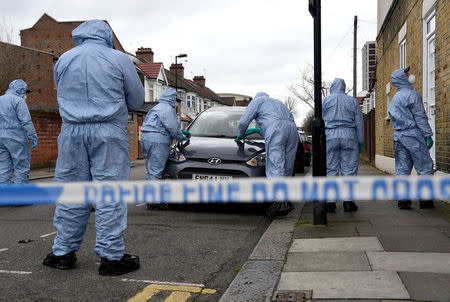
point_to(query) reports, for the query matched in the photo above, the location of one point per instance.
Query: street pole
(176, 75)
(318, 135)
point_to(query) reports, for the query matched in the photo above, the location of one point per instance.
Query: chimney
(145, 53)
(178, 68)
(200, 80)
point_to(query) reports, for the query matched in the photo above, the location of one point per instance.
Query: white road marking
(3, 250)
(49, 234)
(164, 283)
(141, 204)
(14, 272)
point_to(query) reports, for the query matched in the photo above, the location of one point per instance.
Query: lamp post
(183, 55)
(319, 138)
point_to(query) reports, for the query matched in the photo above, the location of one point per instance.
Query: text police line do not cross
(255, 190)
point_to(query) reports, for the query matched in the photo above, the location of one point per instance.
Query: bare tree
(6, 31)
(291, 104)
(304, 91)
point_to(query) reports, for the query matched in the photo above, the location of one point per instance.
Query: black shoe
(404, 204)
(67, 261)
(280, 209)
(350, 206)
(426, 204)
(128, 263)
(160, 207)
(331, 207)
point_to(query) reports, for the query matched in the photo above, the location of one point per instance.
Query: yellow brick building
(414, 33)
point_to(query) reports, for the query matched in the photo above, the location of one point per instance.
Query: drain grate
(292, 296)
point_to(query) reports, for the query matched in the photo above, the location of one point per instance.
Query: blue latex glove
(361, 148)
(186, 133)
(252, 130)
(240, 138)
(429, 141)
(33, 144)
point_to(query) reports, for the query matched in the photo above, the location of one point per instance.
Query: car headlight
(258, 160)
(176, 155)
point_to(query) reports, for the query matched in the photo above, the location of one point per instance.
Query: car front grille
(223, 161)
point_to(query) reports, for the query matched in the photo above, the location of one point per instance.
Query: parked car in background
(307, 142)
(303, 156)
(212, 153)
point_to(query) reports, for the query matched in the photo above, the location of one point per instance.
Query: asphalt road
(187, 254)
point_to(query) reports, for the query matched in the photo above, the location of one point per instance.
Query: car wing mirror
(252, 130)
(183, 143)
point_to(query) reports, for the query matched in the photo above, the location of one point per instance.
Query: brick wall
(388, 61)
(48, 127)
(50, 35)
(34, 67)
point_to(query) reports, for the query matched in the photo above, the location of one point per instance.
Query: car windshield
(220, 124)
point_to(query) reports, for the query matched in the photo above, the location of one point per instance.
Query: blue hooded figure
(344, 129)
(412, 133)
(281, 138)
(96, 86)
(160, 127)
(16, 129)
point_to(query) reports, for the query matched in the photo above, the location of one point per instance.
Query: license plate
(210, 177)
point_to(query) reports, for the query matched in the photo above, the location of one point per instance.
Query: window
(429, 72)
(193, 98)
(402, 47)
(431, 24)
(371, 51)
(150, 93)
(188, 97)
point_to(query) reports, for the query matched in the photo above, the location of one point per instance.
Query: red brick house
(54, 36)
(33, 61)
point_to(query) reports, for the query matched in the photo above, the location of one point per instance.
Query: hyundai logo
(214, 161)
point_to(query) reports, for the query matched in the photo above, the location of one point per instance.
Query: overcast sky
(240, 46)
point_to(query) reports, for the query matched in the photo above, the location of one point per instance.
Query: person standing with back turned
(96, 86)
(344, 129)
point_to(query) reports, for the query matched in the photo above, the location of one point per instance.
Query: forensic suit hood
(18, 87)
(168, 96)
(338, 85)
(399, 80)
(93, 30)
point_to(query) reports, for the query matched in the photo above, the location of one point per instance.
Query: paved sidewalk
(379, 253)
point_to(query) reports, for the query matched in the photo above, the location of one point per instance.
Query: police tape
(250, 190)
